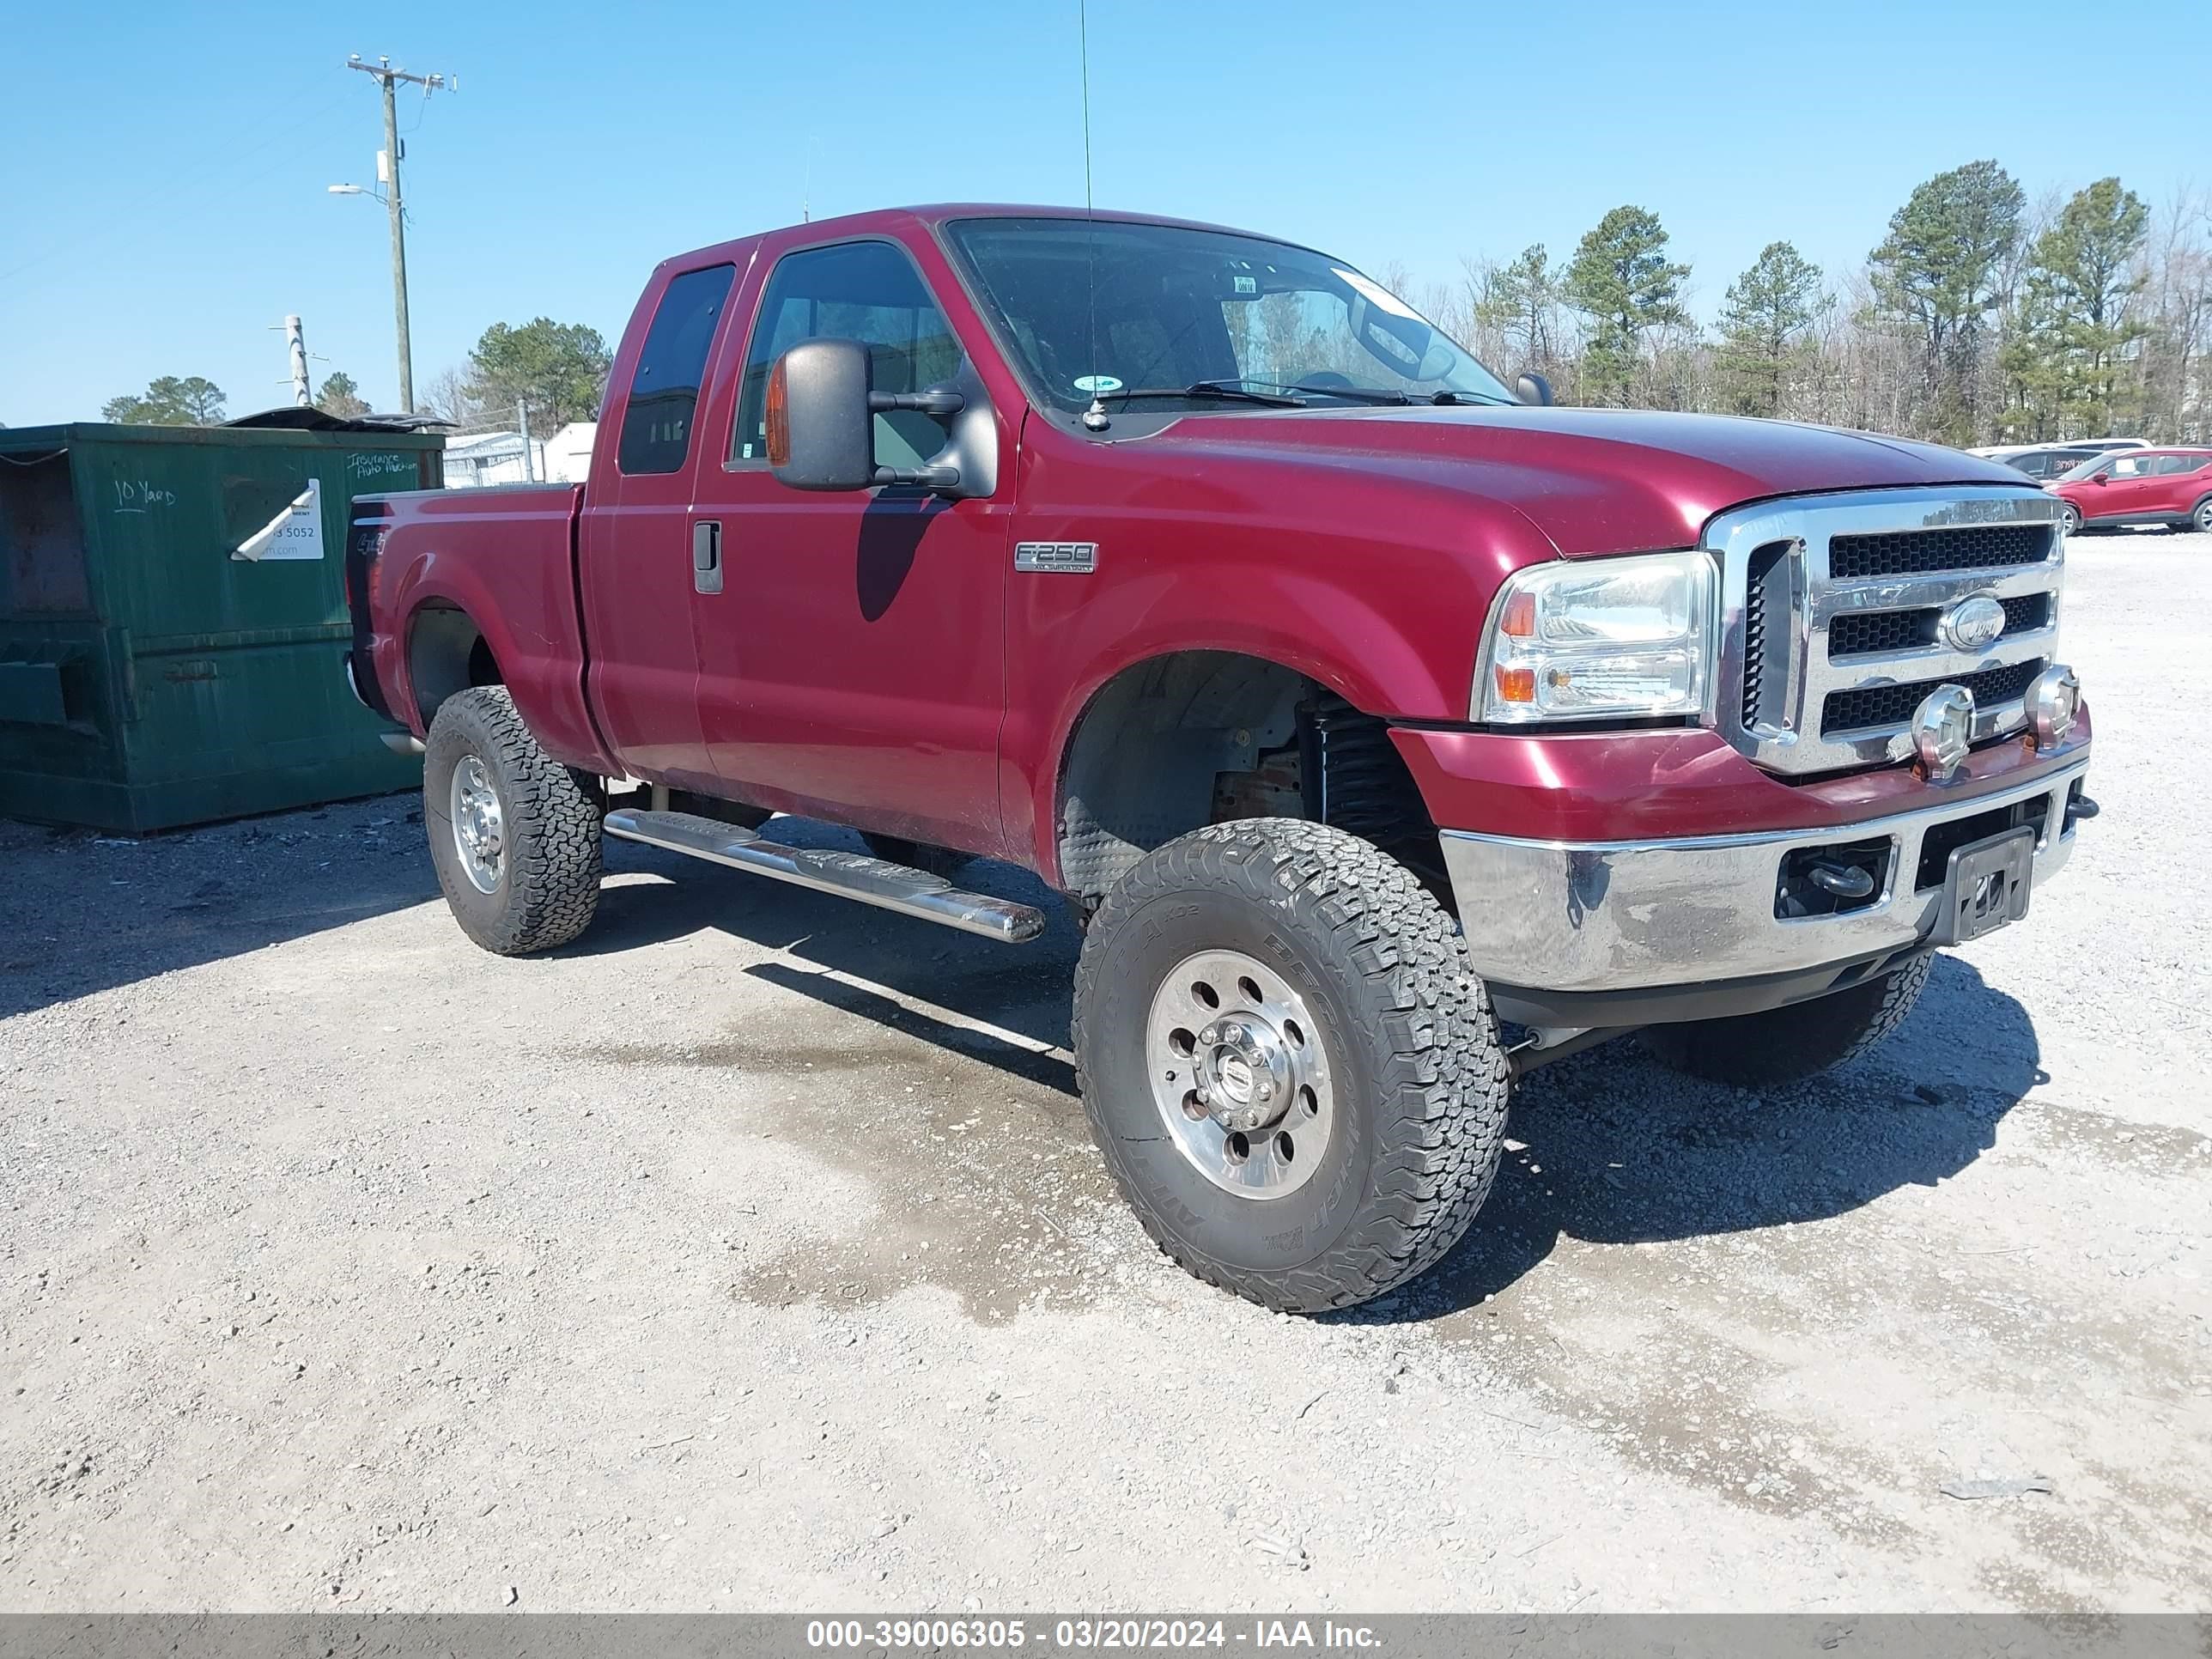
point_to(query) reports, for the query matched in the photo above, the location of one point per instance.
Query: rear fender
(525, 609)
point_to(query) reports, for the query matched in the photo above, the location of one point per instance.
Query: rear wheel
(1787, 1045)
(513, 835)
(1292, 1072)
(2201, 520)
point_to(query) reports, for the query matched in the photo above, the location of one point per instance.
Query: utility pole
(302, 392)
(522, 420)
(389, 78)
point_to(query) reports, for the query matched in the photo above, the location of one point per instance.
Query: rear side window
(664, 393)
(864, 291)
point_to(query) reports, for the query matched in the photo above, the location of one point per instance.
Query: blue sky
(163, 203)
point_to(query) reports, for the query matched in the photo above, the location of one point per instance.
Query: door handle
(707, 555)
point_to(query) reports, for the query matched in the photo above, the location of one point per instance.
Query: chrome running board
(850, 875)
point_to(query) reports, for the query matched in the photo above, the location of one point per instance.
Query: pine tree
(1621, 280)
(2071, 355)
(1939, 267)
(340, 396)
(1521, 301)
(1765, 324)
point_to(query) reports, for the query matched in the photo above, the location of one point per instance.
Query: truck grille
(1833, 609)
(1908, 552)
(1867, 633)
(1886, 707)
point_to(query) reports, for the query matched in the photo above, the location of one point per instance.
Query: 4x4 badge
(1062, 558)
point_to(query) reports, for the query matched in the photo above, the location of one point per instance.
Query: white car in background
(2051, 460)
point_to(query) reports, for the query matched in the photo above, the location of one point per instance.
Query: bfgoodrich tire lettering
(548, 883)
(1785, 1045)
(1420, 1079)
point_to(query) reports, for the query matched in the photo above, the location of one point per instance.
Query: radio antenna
(1094, 418)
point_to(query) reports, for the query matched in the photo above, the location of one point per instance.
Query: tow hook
(2082, 807)
(1844, 881)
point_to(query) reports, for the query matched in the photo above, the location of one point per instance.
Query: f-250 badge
(1063, 558)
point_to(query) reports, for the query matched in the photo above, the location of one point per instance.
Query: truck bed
(505, 558)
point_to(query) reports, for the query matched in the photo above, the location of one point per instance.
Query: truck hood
(1592, 480)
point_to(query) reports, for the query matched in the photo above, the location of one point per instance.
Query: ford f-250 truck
(1389, 730)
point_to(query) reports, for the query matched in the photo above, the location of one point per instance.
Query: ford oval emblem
(1972, 624)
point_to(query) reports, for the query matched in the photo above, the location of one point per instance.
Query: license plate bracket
(1986, 886)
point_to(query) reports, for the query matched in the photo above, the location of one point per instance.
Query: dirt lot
(751, 1254)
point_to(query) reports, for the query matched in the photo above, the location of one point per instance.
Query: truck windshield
(1110, 309)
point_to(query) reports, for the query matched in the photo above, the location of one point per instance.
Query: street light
(398, 286)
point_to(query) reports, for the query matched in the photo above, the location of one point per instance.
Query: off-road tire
(916, 854)
(549, 881)
(1407, 1028)
(1788, 1045)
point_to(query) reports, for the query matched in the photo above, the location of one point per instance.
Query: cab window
(663, 390)
(864, 291)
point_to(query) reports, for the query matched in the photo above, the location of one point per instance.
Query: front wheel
(2069, 520)
(515, 837)
(1293, 1074)
(1790, 1044)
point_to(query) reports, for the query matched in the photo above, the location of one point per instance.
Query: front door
(2128, 488)
(853, 666)
(639, 582)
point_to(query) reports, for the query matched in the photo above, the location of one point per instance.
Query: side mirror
(2101, 477)
(821, 411)
(1534, 388)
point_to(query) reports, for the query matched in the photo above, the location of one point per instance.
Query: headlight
(1600, 639)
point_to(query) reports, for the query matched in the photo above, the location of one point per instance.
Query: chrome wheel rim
(479, 831)
(1239, 1074)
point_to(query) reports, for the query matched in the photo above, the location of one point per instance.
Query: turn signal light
(1515, 684)
(779, 416)
(1520, 617)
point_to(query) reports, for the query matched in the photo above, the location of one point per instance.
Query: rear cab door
(643, 573)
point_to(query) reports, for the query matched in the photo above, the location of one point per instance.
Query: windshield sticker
(1248, 285)
(1376, 294)
(1095, 384)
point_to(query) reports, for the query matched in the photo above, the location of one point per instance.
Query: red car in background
(2172, 487)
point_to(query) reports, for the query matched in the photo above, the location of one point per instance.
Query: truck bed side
(474, 586)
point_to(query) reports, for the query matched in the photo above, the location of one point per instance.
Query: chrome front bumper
(1595, 919)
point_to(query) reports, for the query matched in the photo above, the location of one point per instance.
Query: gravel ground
(752, 1254)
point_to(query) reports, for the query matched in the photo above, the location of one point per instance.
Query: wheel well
(446, 652)
(1178, 742)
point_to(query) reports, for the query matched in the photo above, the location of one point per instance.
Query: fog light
(1942, 730)
(2054, 702)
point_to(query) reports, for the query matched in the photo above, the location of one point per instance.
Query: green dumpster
(172, 621)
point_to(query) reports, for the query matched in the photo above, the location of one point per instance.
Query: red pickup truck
(1389, 730)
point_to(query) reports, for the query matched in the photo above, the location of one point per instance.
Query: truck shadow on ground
(1605, 1147)
(82, 912)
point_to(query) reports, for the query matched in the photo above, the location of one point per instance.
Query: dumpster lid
(292, 418)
